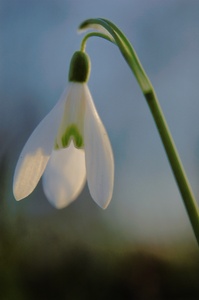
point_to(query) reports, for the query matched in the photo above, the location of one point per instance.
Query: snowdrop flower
(68, 146)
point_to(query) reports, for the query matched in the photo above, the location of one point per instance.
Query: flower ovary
(79, 67)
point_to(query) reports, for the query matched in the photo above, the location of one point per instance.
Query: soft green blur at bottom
(40, 260)
(75, 254)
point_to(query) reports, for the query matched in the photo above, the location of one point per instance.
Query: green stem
(175, 162)
(135, 65)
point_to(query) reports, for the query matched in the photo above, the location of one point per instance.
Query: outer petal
(36, 152)
(99, 155)
(65, 176)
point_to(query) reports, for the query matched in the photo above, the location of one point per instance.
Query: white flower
(68, 146)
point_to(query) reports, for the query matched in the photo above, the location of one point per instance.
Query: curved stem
(125, 47)
(135, 65)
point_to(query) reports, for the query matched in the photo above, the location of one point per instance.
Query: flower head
(68, 146)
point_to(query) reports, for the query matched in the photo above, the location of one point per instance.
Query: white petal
(99, 155)
(36, 152)
(65, 176)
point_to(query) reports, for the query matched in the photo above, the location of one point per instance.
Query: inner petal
(64, 176)
(71, 127)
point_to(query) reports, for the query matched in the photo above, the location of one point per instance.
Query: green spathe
(79, 67)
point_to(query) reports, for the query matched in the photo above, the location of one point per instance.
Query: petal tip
(19, 193)
(57, 205)
(17, 196)
(101, 202)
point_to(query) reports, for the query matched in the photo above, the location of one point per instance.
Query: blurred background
(142, 246)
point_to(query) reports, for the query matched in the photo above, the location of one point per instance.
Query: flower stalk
(175, 162)
(112, 33)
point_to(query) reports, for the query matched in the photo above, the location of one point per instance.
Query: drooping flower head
(68, 146)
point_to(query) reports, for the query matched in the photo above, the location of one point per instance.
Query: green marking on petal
(72, 132)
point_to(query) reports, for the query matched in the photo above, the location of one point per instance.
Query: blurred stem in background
(3, 189)
(112, 33)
